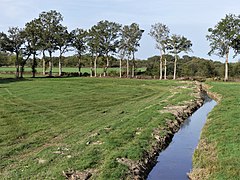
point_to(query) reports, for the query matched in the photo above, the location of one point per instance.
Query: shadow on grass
(12, 80)
(7, 80)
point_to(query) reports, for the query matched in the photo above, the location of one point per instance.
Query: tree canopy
(176, 45)
(223, 37)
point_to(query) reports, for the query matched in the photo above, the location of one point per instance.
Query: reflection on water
(176, 161)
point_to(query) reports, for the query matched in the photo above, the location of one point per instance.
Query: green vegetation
(50, 125)
(193, 67)
(10, 71)
(55, 70)
(46, 35)
(217, 156)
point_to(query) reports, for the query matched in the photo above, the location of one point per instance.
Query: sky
(190, 18)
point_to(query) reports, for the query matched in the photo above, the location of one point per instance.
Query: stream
(176, 160)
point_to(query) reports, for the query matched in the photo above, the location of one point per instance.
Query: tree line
(191, 67)
(105, 42)
(46, 35)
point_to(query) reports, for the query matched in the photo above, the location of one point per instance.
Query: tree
(223, 37)
(123, 49)
(109, 33)
(63, 42)
(23, 60)
(79, 42)
(3, 44)
(50, 22)
(176, 45)
(160, 33)
(13, 43)
(131, 35)
(95, 46)
(32, 35)
(3, 41)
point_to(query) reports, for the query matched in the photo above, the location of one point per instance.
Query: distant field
(54, 125)
(218, 156)
(64, 69)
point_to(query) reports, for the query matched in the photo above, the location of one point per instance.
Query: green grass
(65, 69)
(52, 125)
(218, 156)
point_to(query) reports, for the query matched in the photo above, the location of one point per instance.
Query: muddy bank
(141, 169)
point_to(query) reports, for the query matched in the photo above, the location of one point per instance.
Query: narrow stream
(176, 160)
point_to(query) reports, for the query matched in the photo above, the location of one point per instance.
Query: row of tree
(223, 37)
(46, 34)
(165, 43)
(188, 66)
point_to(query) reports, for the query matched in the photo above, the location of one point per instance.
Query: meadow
(28, 70)
(218, 153)
(51, 125)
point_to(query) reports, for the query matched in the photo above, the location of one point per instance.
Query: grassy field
(218, 155)
(54, 125)
(64, 69)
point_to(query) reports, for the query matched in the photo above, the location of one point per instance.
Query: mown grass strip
(218, 155)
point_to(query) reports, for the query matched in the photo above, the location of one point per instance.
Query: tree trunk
(44, 64)
(175, 67)
(127, 67)
(165, 68)
(133, 71)
(133, 66)
(107, 65)
(50, 68)
(17, 65)
(34, 66)
(23, 63)
(226, 67)
(105, 68)
(44, 67)
(160, 67)
(95, 66)
(104, 71)
(120, 68)
(79, 65)
(50, 64)
(60, 66)
(60, 62)
(21, 70)
(91, 69)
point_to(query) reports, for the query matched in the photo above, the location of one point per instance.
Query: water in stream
(176, 160)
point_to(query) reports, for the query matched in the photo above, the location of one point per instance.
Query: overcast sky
(190, 18)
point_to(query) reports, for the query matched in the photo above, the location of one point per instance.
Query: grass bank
(218, 154)
(75, 124)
